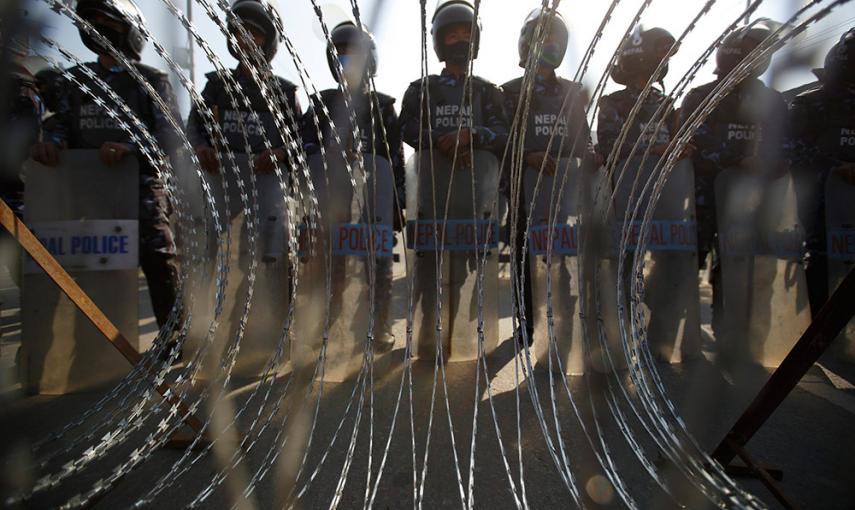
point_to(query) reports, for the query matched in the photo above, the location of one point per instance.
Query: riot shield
(598, 269)
(85, 214)
(380, 212)
(671, 302)
(554, 220)
(338, 248)
(764, 288)
(840, 231)
(193, 194)
(452, 238)
(272, 208)
(270, 294)
(427, 188)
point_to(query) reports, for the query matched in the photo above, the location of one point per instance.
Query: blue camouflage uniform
(822, 137)
(19, 129)
(749, 122)
(488, 121)
(226, 113)
(378, 126)
(614, 109)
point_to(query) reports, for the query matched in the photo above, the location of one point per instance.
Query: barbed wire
(282, 415)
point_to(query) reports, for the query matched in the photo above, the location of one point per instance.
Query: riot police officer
(250, 106)
(376, 117)
(454, 29)
(83, 123)
(457, 124)
(377, 124)
(745, 130)
(638, 58)
(822, 121)
(556, 126)
(671, 292)
(258, 121)
(253, 123)
(20, 127)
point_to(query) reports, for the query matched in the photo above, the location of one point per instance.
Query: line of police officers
(750, 127)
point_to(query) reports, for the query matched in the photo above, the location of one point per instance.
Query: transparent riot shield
(671, 297)
(197, 247)
(840, 231)
(764, 289)
(380, 212)
(427, 188)
(85, 214)
(270, 293)
(272, 208)
(347, 247)
(452, 239)
(191, 186)
(554, 221)
(598, 269)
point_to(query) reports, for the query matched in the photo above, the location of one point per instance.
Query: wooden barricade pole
(30, 243)
(826, 326)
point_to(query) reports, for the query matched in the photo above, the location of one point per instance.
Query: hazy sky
(397, 29)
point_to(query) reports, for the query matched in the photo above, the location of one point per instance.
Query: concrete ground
(810, 437)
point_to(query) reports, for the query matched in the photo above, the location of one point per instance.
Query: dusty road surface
(352, 459)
